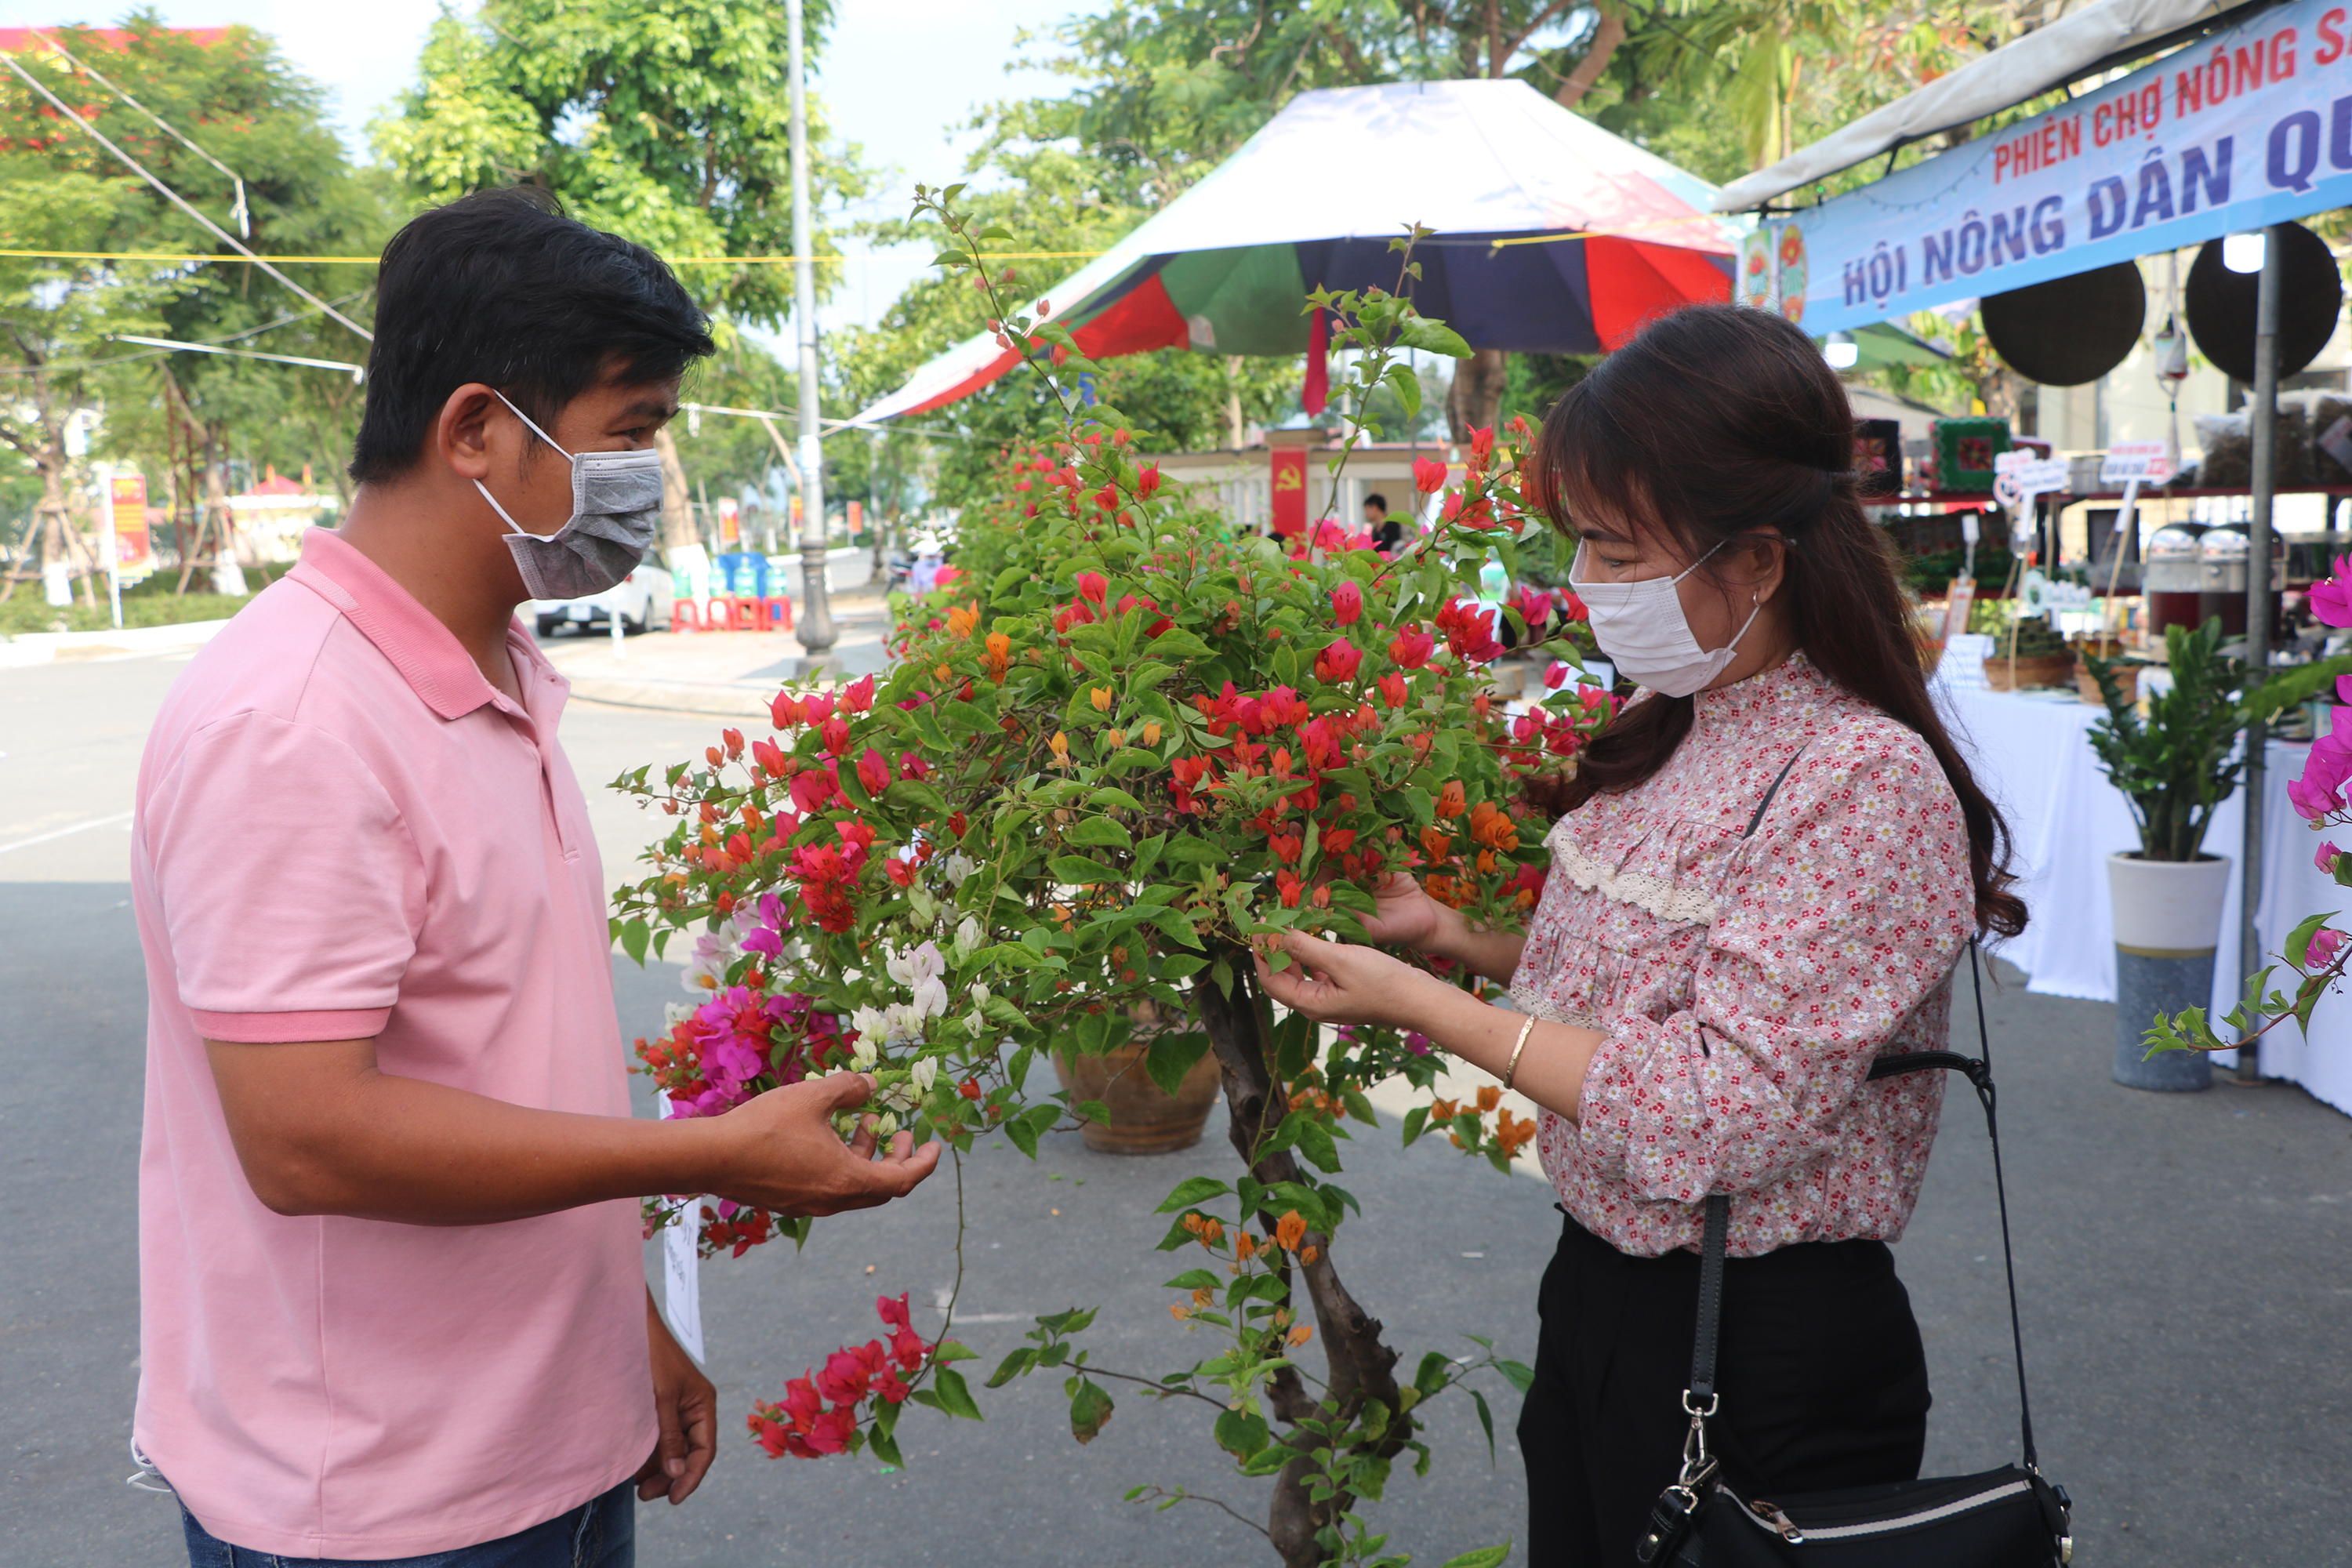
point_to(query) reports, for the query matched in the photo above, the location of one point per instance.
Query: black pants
(1820, 1375)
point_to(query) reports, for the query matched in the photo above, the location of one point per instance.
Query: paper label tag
(2337, 441)
(681, 1269)
(2127, 461)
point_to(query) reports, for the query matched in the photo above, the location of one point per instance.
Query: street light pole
(815, 627)
(2265, 430)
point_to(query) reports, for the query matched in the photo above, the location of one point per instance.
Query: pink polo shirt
(344, 831)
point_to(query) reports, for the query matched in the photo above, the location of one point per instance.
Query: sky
(899, 77)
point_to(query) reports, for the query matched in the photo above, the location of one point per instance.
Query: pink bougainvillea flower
(2331, 601)
(1347, 603)
(2325, 859)
(836, 736)
(1093, 586)
(1337, 663)
(2320, 790)
(858, 696)
(817, 707)
(1556, 676)
(873, 770)
(2324, 945)
(1428, 476)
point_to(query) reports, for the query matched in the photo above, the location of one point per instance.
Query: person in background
(1387, 532)
(392, 1304)
(1763, 873)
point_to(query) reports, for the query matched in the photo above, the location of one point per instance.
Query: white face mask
(616, 500)
(1643, 631)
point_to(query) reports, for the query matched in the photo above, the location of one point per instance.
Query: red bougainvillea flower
(1107, 498)
(1338, 840)
(1481, 448)
(1411, 649)
(1428, 476)
(901, 872)
(786, 711)
(1556, 676)
(1347, 603)
(1393, 690)
(873, 770)
(1093, 586)
(1287, 886)
(818, 706)
(858, 696)
(1147, 481)
(836, 736)
(1336, 664)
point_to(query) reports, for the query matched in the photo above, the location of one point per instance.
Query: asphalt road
(2183, 1261)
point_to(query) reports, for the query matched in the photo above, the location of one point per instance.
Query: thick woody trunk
(1359, 1366)
(1607, 34)
(678, 513)
(1475, 399)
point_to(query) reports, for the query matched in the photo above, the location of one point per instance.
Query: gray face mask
(616, 500)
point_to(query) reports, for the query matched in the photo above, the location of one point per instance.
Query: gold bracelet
(1511, 1068)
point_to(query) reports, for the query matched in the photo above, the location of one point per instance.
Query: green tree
(239, 99)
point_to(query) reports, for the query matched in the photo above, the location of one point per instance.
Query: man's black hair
(500, 287)
(1378, 499)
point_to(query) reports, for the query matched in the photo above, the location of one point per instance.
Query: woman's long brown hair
(1718, 423)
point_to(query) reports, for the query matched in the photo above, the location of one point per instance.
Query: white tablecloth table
(2032, 754)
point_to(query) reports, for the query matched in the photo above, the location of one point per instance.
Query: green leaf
(912, 794)
(1432, 337)
(1090, 1408)
(1484, 1557)
(1415, 1120)
(1024, 1136)
(2298, 941)
(633, 935)
(1192, 1280)
(1485, 1419)
(1192, 1193)
(1081, 868)
(1101, 832)
(955, 1396)
(1518, 1374)
(1315, 1142)
(1171, 1057)
(1242, 1433)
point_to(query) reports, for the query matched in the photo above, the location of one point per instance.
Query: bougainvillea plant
(1126, 743)
(2316, 952)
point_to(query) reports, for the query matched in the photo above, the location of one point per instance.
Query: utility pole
(2265, 428)
(815, 627)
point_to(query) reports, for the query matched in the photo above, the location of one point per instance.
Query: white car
(642, 599)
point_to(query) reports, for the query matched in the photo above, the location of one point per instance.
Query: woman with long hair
(1763, 875)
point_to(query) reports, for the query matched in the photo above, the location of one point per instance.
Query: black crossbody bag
(2007, 1517)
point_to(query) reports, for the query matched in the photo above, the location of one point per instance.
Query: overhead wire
(240, 212)
(174, 197)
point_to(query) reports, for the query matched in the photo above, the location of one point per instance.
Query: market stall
(2030, 753)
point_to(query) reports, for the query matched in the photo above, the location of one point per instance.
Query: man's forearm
(397, 1148)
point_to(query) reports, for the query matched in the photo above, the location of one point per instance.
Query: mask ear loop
(514, 527)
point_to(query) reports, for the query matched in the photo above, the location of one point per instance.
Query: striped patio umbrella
(1551, 236)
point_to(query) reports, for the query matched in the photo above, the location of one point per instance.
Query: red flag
(1317, 394)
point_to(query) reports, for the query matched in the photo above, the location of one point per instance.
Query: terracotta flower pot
(2086, 685)
(1144, 1118)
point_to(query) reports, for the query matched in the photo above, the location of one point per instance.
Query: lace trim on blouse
(1675, 904)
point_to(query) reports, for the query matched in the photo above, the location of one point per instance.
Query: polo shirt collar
(427, 654)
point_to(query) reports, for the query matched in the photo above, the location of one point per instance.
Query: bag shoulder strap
(1700, 1397)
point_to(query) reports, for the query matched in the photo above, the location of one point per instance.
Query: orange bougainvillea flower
(1450, 801)
(1000, 655)
(1489, 1097)
(1209, 1231)
(963, 620)
(1151, 733)
(1300, 1334)
(1100, 696)
(1436, 845)
(1060, 746)
(1491, 826)
(1290, 1230)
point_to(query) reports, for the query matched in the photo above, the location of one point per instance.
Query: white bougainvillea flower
(968, 936)
(957, 866)
(713, 951)
(866, 1052)
(868, 1022)
(925, 1072)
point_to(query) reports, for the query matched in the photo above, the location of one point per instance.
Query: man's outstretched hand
(781, 1152)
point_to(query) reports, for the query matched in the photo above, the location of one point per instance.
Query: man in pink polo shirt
(393, 1303)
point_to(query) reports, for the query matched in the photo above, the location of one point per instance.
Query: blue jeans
(599, 1533)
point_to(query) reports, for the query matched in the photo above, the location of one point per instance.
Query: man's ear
(461, 434)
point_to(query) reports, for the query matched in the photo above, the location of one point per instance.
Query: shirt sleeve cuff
(290, 1029)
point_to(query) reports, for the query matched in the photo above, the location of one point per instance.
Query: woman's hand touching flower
(1346, 983)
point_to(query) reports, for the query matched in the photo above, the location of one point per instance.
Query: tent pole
(2264, 426)
(815, 624)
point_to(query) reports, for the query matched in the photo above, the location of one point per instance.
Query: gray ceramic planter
(2167, 915)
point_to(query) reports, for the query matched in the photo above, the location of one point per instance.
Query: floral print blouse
(1745, 980)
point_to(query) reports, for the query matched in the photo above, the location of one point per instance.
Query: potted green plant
(1130, 742)
(2175, 767)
